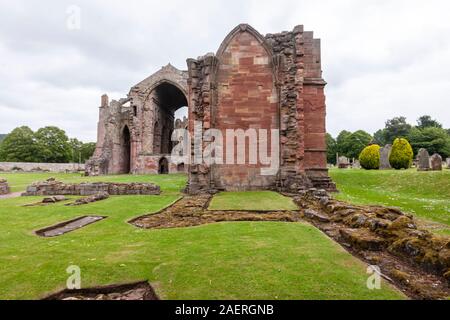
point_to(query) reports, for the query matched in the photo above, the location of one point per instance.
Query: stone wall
(39, 167)
(52, 188)
(263, 82)
(4, 187)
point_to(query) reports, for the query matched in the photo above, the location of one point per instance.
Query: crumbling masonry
(271, 82)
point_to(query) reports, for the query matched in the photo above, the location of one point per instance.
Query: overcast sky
(380, 58)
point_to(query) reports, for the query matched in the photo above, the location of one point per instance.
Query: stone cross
(424, 160)
(436, 162)
(385, 153)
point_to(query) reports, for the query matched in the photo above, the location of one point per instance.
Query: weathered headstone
(424, 160)
(343, 162)
(4, 187)
(448, 163)
(356, 164)
(436, 162)
(385, 153)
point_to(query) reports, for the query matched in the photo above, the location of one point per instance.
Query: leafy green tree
(401, 155)
(2, 137)
(340, 142)
(396, 128)
(427, 122)
(87, 150)
(331, 149)
(379, 137)
(352, 145)
(434, 139)
(53, 145)
(75, 150)
(19, 146)
(370, 157)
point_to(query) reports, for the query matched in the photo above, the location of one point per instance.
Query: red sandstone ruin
(271, 82)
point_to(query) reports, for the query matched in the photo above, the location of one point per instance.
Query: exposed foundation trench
(68, 226)
(133, 291)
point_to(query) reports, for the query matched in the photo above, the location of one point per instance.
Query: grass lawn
(244, 260)
(424, 194)
(252, 201)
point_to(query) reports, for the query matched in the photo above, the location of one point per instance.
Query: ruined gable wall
(246, 99)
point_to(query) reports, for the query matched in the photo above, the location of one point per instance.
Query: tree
(396, 128)
(340, 142)
(331, 149)
(434, 139)
(370, 157)
(379, 137)
(87, 150)
(2, 137)
(53, 145)
(75, 150)
(426, 122)
(19, 146)
(352, 145)
(401, 155)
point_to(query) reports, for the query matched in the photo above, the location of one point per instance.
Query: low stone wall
(4, 187)
(40, 167)
(52, 187)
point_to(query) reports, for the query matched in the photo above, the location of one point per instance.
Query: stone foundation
(52, 187)
(4, 187)
(376, 228)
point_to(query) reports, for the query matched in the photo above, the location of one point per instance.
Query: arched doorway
(163, 167)
(126, 151)
(168, 99)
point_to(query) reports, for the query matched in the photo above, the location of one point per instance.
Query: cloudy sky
(380, 58)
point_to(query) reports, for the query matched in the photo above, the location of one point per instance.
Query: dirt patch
(68, 226)
(411, 258)
(11, 195)
(133, 291)
(193, 211)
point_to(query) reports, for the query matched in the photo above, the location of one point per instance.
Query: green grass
(252, 201)
(245, 260)
(424, 194)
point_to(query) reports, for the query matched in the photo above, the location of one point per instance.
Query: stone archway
(167, 98)
(126, 151)
(163, 166)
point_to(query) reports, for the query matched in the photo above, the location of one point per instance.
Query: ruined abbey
(253, 81)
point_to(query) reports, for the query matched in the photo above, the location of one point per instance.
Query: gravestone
(356, 164)
(4, 187)
(343, 162)
(448, 163)
(436, 162)
(424, 160)
(385, 153)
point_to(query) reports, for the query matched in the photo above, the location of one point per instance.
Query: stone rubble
(94, 198)
(4, 187)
